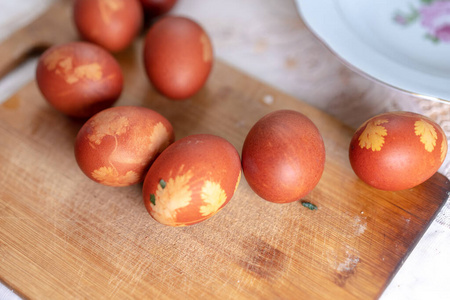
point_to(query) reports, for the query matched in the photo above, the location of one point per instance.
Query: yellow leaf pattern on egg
(112, 124)
(52, 60)
(145, 146)
(62, 65)
(373, 135)
(237, 182)
(427, 133)
(110, 176)
(159, 139)
(213, 196)
(108, 7)
(89, 71)
(175, 195)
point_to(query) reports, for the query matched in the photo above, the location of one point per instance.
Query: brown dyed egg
(116, 146)
(178, 57)
(112, 24)
(397, 150)
(192, 180)
(154, 8)
(79, 79)
(283, 156)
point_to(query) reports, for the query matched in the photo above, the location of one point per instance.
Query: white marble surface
(268, 40)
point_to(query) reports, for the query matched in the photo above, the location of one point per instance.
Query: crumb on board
(359, 225)
(268, 99)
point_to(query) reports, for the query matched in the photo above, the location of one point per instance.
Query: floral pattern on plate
(434, 17)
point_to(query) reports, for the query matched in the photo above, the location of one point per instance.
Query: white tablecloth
(268, 40)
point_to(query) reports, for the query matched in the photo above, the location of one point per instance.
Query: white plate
(403, 43)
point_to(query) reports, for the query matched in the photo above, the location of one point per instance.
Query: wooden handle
(16, 49)
(47, 30)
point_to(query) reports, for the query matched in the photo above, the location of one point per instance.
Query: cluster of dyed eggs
(189, 180)
(119, 146)
(82, 78)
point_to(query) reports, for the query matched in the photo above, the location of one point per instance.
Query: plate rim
(321, 29)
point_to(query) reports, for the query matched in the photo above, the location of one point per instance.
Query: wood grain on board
(63, 236)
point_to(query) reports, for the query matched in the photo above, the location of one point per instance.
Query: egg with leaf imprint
(116, 146)
(111, 24)
(178, 56)
(79, 79)
(397, 150)
(192, 180)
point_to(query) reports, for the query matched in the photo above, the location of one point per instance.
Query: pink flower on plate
(443, 33)
(435, 18)
(400, 19)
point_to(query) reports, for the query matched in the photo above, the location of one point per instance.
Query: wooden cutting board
(65, 237)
